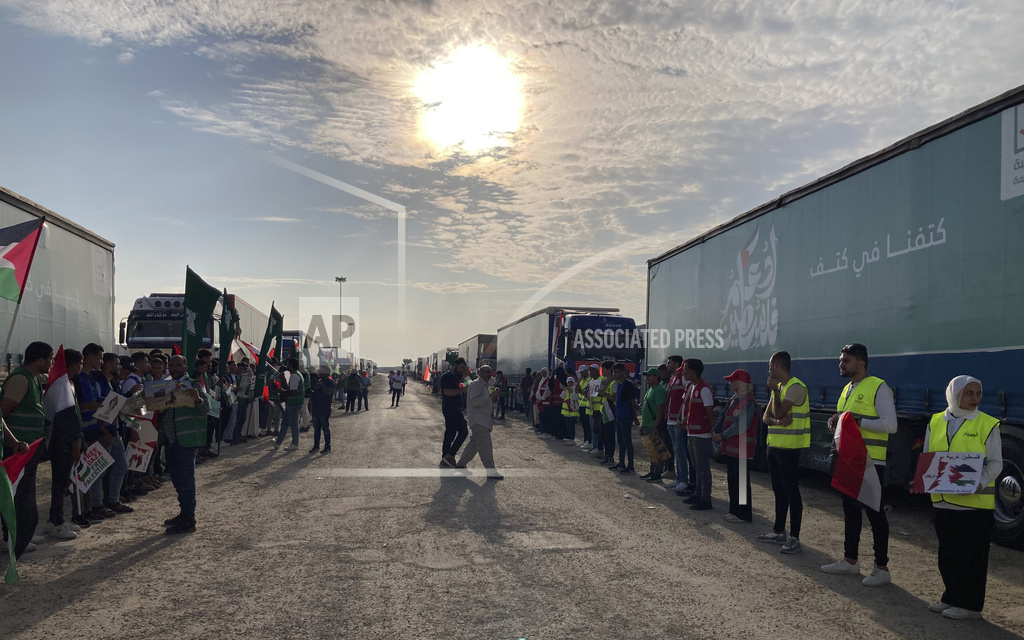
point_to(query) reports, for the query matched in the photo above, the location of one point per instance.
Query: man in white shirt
(397, 384)
(478, 402)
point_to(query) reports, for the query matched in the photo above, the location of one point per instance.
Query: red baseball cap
(740, 375)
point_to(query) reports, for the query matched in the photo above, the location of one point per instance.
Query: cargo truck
(154, 322)
(914, 251)
(480, 350)
(567, 337)
(69, 294)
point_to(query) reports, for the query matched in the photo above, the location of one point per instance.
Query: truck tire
(1009, 514)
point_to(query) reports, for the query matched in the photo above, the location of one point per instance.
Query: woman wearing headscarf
(736, 428)
(963, 522)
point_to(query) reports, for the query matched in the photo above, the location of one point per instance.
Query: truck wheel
(1009, 514)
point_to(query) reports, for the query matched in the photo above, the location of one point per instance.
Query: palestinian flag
(11, 471)
(855, 474)
(17, 248)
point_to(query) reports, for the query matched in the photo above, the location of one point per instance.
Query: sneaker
(494, 475)
(314, 449)
(616, 467)
(645, 476)
(772, 537)
(586, 445)
(325, 450)
(939, 607)
(292, 447)
(842, 567)
(81, 522)
(791, 546)
(62, 532)
(686, 491)
(702, 506)
(38, 539)
(225, 443)
(119, 507)
(735, 519)
(626, 471)
(277, 445)
(592, 450)
(185, 525)
(450, 459)
(570, 443)
(877, 578)
(958, 613)
(30, 546)
(655, 478)
(691, 500)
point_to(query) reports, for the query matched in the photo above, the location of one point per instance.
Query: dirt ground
(374, 541)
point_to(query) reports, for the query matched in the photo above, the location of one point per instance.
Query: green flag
(200, 302)
(275, 329)
(228, 321)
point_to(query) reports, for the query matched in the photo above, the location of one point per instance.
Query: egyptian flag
(11, 471)
(17, 248)
(59, 401)
(855, 474)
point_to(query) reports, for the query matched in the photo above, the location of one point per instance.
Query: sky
(521, 138)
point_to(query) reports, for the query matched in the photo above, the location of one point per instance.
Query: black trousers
(26, 512)
(784, 467)
(350, 400)
(964, 539)
(569, 430)
(608, 438)
(455, 432)
(396, 395)
(732, 474)
(852, 509)
(60, 465)
(585, 423)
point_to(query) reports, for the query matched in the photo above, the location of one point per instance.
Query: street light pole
(341, 281)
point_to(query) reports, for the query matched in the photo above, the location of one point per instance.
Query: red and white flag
(11, 471)
(855, 474)
(60, 395)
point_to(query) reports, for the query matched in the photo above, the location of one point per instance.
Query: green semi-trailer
(914, 251)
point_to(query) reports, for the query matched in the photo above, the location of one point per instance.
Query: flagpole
(10, 333)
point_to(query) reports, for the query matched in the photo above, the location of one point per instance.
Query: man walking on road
(870, 401)
(397, 385)
(455, 429)
(479, 398)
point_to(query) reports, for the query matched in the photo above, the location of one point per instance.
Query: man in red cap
(736, 429)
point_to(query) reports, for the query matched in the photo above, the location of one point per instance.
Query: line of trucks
(914, 251)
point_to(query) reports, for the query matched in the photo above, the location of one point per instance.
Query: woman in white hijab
(963, 522)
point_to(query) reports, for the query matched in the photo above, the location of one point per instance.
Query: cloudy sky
(521, 137)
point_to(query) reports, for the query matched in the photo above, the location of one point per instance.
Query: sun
(472, 101)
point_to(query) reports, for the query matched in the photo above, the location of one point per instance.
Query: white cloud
(125, 57)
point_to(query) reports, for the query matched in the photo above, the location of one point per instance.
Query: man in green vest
(294, 397)
(185, 431)
(788, 419)
(21, 403)
(870, 401)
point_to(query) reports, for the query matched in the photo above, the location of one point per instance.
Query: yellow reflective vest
(969, 438)
(861, 403)
(796, 435)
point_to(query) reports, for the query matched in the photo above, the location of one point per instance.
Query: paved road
(373, 541)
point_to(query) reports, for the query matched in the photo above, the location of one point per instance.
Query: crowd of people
(678, 423)
(216, 407)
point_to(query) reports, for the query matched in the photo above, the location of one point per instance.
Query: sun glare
(472, 101)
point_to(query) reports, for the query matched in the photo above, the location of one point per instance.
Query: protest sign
(137, 456)
(91, 465)
(110, 407)
(166, 394)
(948, 472)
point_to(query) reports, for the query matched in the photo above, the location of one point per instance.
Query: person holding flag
(871, 408)
(21, 404)
(61, 409)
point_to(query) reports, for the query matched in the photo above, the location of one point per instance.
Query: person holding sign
(963, 522)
